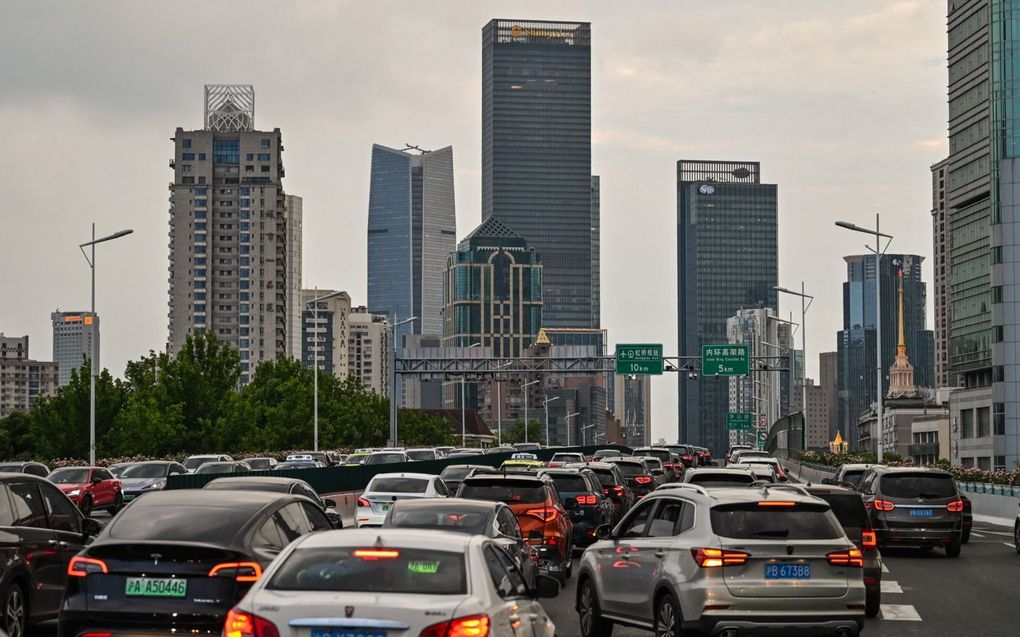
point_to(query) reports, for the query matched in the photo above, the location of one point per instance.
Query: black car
(614, 486)
(236, 466)
(476, 517)
(639, 476)
(454, 473)
(42, 530)
(671, 472)
(594, 508)
(174, 562)
(914, 506)
(31, 468)
(279, 485)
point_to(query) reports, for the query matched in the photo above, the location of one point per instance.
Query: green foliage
(418, 429)
(536, 432)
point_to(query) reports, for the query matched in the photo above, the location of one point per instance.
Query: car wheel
(568, 567)
(15, 611)
(1016, 537)
(86, 506)
(589, 614)
(966, 536)
(118, 504)
(953, 549)
(872, 602)
(667, 617)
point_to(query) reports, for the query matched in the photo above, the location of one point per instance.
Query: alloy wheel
(14, 612)
(585, 608)
(665, 620)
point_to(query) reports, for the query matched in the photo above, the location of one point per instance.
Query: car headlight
(155, 485)
(74, 492)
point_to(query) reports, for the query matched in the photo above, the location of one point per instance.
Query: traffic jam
(664, 539)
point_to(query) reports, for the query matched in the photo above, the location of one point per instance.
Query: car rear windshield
(385, 458)
(661, 454)
(69, 476)
(605, 476)
(720, 479)
(194, 463)
(426, 454)
(853, 476)
(455, 473)
(372, 570)
(444, 518)
(568, 457)
(848, 507)
(569, 483)
(179, 523)
(146, 471)
(398, 485)
(259, 464)
(749, 521)
(918, 485)
(509, 491)
(216, 467)
(630, 468)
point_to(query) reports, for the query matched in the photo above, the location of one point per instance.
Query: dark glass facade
(727, 260)
(536, 153)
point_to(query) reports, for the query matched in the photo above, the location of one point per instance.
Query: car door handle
(660, 554)
(63, 545)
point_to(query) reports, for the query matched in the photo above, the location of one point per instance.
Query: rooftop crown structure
(229, 107)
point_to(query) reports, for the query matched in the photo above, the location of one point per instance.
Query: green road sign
(763, 436)
(738, 421)
(639, 359)
(728, 359)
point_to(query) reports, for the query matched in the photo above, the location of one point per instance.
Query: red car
(90, 488)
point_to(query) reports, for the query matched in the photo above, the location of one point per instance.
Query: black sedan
(279, 485)
(174, 562)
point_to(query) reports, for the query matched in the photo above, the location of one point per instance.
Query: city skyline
(871, 153)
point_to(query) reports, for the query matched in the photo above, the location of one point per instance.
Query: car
(716, 477)
(445, 449)
(586, 504)
(614, 486)
(262, 463)
(224, 467)
(603, 454)
(42, 531)
(174, 562)
(638, 474)
(762, 471)
(747, 454)
(968, 518)
(90, 488)
(298, 464)
(522, 465)
(734, 449)
(315, 456)
(393, 581)
(386, 488)
(422, 454)
(848, 474)
(774, 462)
(539, 511)
(501, 449)
(688, 456)
(665, 457)
(357, 458)
(118, 467)
(145, 477)
(274, 484)
(561, 458)
(656, 469)
(914, 506)
(194, 462)
(704, 456)
(31, 468)
(386, 457)
(335, 457)
(454, 473)
(690, 560)
(527, 446)
(476, 517)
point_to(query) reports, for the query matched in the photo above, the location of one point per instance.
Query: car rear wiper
(772, 533)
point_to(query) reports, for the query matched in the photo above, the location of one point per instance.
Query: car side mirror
(328, 503)
(96, 479)
(826, 480)
(604, 531)
(90, 527)
(545, 587)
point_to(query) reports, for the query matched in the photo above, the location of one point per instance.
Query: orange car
(542, 517)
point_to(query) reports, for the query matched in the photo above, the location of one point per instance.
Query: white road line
(977, 534)
(1009, 544)
(900, 612)
(885, 569)
(891, 587)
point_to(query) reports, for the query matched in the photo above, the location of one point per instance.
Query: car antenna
(379, 542)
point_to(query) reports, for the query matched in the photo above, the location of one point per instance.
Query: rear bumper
(75, 624)
(917, 537)
(777, 625)
(365, 517)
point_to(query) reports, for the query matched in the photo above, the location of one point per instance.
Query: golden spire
(901, 347)
(901, 374)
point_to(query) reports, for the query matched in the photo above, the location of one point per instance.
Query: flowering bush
(960, 473)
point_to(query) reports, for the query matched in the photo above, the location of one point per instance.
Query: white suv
(723, 562)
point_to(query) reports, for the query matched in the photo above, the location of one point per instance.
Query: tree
(418, 429)
(536, 432)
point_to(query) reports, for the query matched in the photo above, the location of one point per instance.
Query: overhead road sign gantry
(634, 359)
(726, 359)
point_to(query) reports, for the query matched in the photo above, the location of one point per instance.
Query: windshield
(146, 471)
(653, 463)
(444, 518)
(398, 485)
(216, 467)
(194, 463)
(848, 507)
(748, 521)
(606, 477)
(421, 454)
(569, 483)
(69, 476)
(385, 458)
(368, 570)
(661, 454)
(259, 464)
(237, 484)
(356, 458)
(631, 469)
(509, 491)
(12, 468)
(455, 473)
(853, 476)
(567, 457)
(295, 465)
(722, 479)
(918, 485)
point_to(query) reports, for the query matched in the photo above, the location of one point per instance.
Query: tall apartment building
(596, 251)
(324, 331)
(293, 205)
(942, 269)
(816, 414)
(23, 381)
(632, 406)
(828, 364)
(229, 236)
(368, 349)
(72, 340)
(536, 154)
(727, 241)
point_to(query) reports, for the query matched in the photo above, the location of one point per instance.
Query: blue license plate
(346, 632)
(922, 513)
(787, 571)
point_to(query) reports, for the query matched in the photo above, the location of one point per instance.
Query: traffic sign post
(738, 421)
(763, 436)
(730, 359)
(643, 359)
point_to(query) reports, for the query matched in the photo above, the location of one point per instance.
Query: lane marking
(891, 587)
(974, 534)
(1009, 544)
(899, 612)
(885, 569)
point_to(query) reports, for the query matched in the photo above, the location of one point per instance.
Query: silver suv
(723, 562)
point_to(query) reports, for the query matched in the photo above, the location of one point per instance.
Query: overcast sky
(843, 103)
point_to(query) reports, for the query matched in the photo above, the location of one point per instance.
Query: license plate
(346, 632)
(155, 587)
(787, 571)
(922, 513)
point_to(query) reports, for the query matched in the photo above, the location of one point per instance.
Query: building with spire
(901, 374)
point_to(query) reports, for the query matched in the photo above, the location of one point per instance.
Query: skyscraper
(828, 364)
(295, 220)
(727, 261)
(596, 251)
(72, 340)
(412, 229)
(368, 349)
(229, 237)
(536, 153)
(942, 269)
(23, 381)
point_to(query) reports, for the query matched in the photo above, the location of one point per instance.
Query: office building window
(226, 151)
(185, 143)
(188, 156)
(201, 157)
(966, 423)
(201, 191)
(265, 169)
(265, 143)
(200, 214)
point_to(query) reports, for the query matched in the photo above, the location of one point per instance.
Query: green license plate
(155, 587)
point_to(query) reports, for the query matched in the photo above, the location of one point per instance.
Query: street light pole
(94, 347)
(463, 390)
(315, 371)
(393, 377)
(567, 421)
(805, 304)
(584, 437)
(524, 388)
(499, 405)
(545, 403)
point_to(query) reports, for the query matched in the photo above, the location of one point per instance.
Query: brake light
(618, 491)
(544, 514)
(688, 457)
(884, 505)
(853, 557)
(643, 479)
(869, 540)
(956, 506)
(471, 626)
(362, 502)
(241, 624)
(240, 571)
(777, 503)
(715, 558)
(587, 499)
(377, 554)
(82, 566)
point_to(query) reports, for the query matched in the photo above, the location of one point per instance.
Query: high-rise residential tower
(727, 261)
(536, 154)
(368, 349)
(72, 340)
(942, 269)
(596, 251)
(230, 265)
(324, 331)
(295, 218)
(23, 381)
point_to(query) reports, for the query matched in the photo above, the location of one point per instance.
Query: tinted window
(631, 469)
(749, 521)
(28, 506)
(316, 518)
(69, 476)
(508, 491)
(398, 485)
(666, 520)
(37, 470)
(421, 454)
(848, 507)
(508, 524)
(385, 458)
(505, 577)
(63, 516)
(6, 512)
(306, 491)
(569, 483)
(455, 473)
(293, 523)
(722, 479)
(102, 474)
(195, 463)
(662, 455)
(145, 471)
(348, 569)
(12, 467)
(605, 476)
(636, 524)
(231, 484)
(268, 535)
(918, 485)
(443, 518)
(181, 523)
(216, 467)
(259, 464)
(853, 476)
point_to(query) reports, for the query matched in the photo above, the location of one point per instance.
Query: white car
(194, 462)
(394, 581)
(386, 488)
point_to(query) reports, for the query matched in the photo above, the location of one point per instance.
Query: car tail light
(587, 499)
(377, 554)
(884, 505)
(714, 558)
(545, 514)
(618, 491)
(241, 624)
(688, 457)
(869, 540)
(955, 506)
(643, 479)
(471, 626)
(240, 571)
(777, 503)
(82, 566)
(853, 557)
(362, 502)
